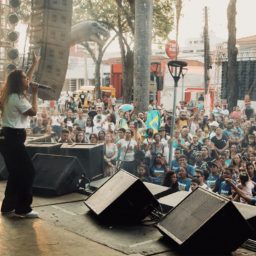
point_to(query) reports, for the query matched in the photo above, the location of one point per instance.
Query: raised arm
(34, 86)
(33, 67)
(240, 192)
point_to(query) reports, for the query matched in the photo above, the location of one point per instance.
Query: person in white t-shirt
(56, 122)
(127, 147)
(16, 108)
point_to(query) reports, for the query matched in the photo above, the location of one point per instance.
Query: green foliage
(107, 11)
(104, 11)
(163, 18)
(24, 11)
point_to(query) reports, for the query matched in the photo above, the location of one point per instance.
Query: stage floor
(66, 227)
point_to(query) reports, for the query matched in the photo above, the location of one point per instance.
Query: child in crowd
(143, 173)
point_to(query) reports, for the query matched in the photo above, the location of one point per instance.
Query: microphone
(41, 86)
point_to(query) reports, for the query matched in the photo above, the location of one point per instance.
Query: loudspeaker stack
(50, 38)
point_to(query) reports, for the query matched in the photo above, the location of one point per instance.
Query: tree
(232, 57)
(142, 52)
(178, 13)
(97, 58)
(119, 16)
(25, 11)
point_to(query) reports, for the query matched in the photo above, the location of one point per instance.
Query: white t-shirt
(56, 120)
(127, 154)
(247, 189)
(13, 112)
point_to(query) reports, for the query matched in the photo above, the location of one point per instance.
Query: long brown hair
(13, 84)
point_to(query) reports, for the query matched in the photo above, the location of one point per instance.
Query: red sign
(172, 49)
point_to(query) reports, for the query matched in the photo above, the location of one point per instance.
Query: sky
(192, 19)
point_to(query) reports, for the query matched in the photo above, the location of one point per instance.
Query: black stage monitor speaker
(123, 199)
(205, 223)
(55, 174)
(43, 148)
(249, 213)
(89, 155)
(3, 170)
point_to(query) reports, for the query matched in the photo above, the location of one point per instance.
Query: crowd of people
(216, 150)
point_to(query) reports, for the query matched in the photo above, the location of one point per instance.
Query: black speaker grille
(56, 174)
(246, 80)
(191, 214)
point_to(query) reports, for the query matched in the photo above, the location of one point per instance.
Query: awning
(194, 90)
(197, 89)
(86, 88)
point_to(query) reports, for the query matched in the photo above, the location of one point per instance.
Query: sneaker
(29, 215)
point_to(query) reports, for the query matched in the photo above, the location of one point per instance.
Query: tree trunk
(127, 62)
(97, 78)
(232, 88)
(142, 52)
(97, 61)
(97, 72)
(127, 86)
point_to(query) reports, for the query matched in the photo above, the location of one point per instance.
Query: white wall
(193, 78)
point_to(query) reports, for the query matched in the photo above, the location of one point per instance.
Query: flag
(153, 120)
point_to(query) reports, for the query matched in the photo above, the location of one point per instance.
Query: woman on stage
(16, 109)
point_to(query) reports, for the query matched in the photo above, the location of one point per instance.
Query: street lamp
(183, 73)
(154, 69)
(175, 68)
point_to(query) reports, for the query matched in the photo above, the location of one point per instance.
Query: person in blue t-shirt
(214, 175)
(189, 168)
(183, 180)
(158, 169)
(175, 163)
(225, 187)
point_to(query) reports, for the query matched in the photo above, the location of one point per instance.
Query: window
(187, 51)
(72, 85)
(80, 82)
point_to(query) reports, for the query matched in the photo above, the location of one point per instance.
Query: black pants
(18, 192)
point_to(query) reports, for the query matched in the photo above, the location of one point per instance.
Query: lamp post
(175, 68)
(183, 73)
(155, 66)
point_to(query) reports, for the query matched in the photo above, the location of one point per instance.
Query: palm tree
(142, 52)
(178, 12)
(232, 88)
